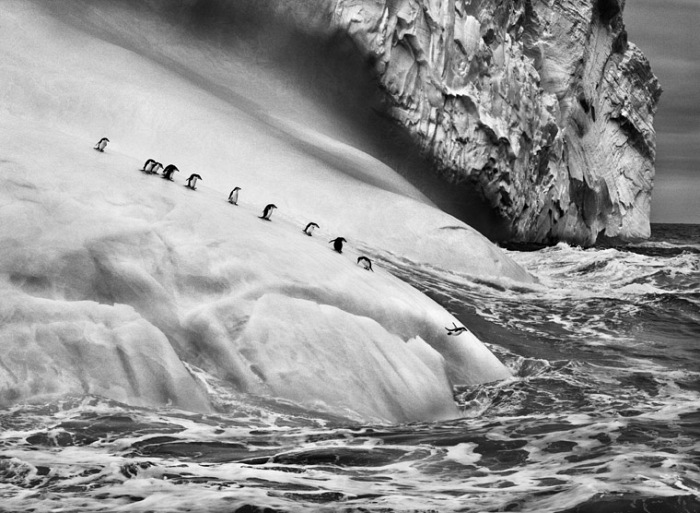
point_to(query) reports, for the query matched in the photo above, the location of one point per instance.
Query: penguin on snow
(310, 229)
(267, 213)
(101, 144)
(169, 170)
(148, 166)
(192, 181)
(233, 197)
(338, 244)
(365, 262)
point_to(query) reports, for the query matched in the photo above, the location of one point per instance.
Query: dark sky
(668, 32)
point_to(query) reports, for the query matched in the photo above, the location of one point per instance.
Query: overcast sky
(667, 31)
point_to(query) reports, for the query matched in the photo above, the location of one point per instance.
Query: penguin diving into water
(456, 330)
(192, 181)
(148, 166)
(310, 229)
(365, 262)
(169, 170)
(233, 197)
(267, 213)
(338, 244)
(101, 144)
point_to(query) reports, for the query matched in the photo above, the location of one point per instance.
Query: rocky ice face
(542, 106)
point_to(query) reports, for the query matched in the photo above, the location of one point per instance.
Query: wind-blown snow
(114, 282)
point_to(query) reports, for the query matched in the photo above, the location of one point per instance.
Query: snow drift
(116, 282)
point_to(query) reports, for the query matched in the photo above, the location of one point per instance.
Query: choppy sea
(602, 414)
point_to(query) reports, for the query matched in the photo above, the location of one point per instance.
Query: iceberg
(117, 283)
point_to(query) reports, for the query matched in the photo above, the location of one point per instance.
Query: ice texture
(543, 106)
(118, 283)
(66, 347)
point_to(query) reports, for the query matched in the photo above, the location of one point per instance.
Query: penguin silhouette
(148, 166)
(456, 330)
(310, 229)
(365, 262)
(101, 144)
(157, 166)
(267, 213)
(192, 181)
(233, 197)
(338, 244)
(169, 170)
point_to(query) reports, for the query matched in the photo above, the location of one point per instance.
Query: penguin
(148, 166)
(267, 213)
(456, 330)
(101, 144)
(366, 263)
(192, 181)
(233, 197)
(169, 170)
(310, 228)
(338, 244)
(157, 166)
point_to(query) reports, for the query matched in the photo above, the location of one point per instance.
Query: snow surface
(117, 283)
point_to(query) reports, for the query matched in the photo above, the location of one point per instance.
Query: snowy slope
(115, 282)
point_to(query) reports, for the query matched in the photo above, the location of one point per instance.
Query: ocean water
(602, 413)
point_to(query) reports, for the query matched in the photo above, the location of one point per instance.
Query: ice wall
(116, 283)
(543, 106)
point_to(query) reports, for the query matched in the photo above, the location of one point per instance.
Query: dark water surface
(602, 414)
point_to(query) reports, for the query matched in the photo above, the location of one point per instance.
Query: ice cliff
(543, 106)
